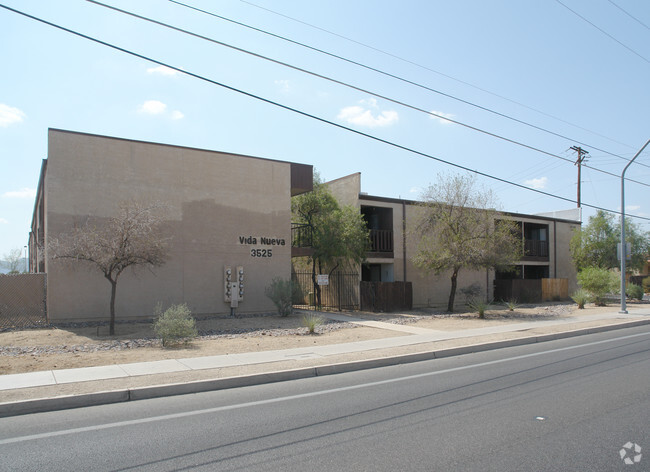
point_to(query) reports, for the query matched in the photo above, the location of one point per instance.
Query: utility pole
(582, 155)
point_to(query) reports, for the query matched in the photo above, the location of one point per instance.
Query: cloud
(10, 115)
(537, 184)
(156, 107)
(152, 107)
(370, 102)
(362, 115)
(632, 207)
(162, 70)
(3, 221)
(441, 114)
(22, 193)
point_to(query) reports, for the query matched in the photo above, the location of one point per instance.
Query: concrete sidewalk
(424, 344)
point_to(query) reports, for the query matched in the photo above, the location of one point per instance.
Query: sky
(404, 92)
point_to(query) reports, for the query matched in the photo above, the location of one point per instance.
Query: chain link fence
(22, 301)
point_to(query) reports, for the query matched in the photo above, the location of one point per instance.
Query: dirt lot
(70, 347)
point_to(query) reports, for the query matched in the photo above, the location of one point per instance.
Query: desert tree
(131, 239)
(339, 234)
(14, 260)
(595, 245)
(458, 227)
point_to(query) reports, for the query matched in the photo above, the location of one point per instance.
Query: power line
(604, 32)
(299, 112)
(345, 84)
(630, 15)
(398, 58)
(387, 74)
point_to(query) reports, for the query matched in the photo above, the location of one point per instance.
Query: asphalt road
(570, 404)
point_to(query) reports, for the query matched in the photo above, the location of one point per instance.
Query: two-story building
(545, 239)
(232, 211)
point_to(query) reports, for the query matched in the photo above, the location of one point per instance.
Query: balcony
(535, 250)
(301, 240)
(379, 221)
(381, 243)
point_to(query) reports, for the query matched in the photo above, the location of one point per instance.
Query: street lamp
(25, 266)
(623, 245)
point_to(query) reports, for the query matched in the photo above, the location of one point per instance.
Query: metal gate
(341, 292)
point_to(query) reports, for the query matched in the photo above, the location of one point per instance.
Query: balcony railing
(381, 240)
(301, 235)
(535, 248)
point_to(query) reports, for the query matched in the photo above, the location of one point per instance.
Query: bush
(581, 297)
(176, 325)
(312, 322)
(598, 282)
(512, 304)
(646, 284)
(282, 293)
(634, 291)
(479, 307)
(471, 292)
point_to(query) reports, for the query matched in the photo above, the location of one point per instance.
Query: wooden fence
(531, 290)
(555, 289)
(386, 296)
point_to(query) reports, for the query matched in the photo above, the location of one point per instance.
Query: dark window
(371, 273)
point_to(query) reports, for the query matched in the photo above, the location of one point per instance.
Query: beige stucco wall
(346, 189)
(212, 199)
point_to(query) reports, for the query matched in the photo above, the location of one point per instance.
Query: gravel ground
(139, 334)
(119, 345)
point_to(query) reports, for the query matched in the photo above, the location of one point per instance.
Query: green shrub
(581, 297)
(598, 282)
(312, 322)
(176, 325)
(646, 284)
(634, 291)
(479, 307)
(282, 293)
(512, 304)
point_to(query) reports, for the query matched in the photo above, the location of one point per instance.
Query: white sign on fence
(323, 279)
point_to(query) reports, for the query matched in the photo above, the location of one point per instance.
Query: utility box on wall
(233, 285)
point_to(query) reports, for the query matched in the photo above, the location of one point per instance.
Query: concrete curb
(156, 391)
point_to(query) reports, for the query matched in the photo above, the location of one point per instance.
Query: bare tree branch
(131, 239)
